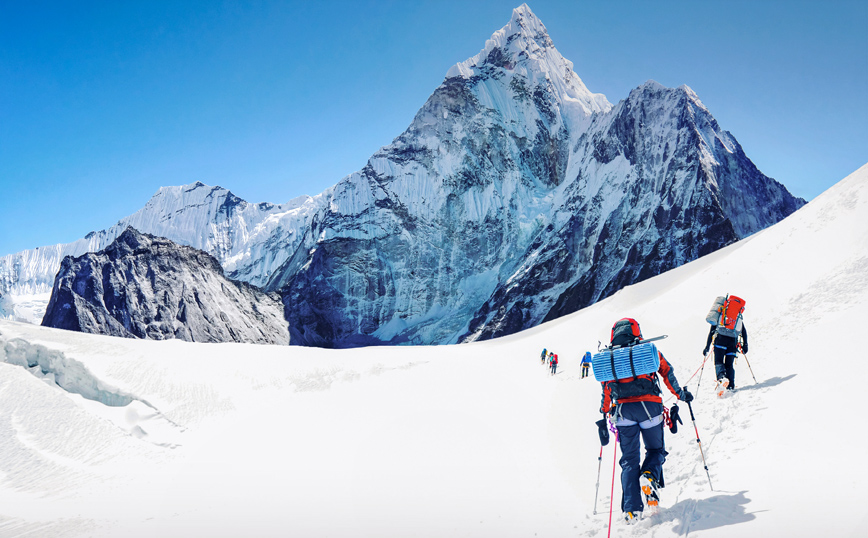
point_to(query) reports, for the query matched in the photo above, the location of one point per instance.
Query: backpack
(716, 308)
(726, 313)
(628, 368)
(614, 364)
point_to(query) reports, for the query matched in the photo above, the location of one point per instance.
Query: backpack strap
(612, 359)
(632, 366)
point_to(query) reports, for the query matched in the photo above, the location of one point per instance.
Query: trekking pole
(693, 418)
(748, 365)
(612, 492)
(702, 370)
(599, 466)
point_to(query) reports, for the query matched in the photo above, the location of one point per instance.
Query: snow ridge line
(73, 377)
(68, 374)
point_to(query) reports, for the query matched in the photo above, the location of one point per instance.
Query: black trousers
(724, 363)
(633, 422)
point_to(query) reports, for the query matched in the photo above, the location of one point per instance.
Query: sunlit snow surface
(472, 440)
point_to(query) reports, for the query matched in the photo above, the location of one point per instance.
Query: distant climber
(586, 364)
(727, 327)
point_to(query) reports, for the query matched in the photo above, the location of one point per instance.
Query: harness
(653, 376)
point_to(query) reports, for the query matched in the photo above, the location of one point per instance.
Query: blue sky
(101, 103)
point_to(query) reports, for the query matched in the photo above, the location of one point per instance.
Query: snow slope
(469, 440)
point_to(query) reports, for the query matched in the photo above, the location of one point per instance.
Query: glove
(603, 431)
(744, 348)
(705, 352)
(674, 418)
(686, 396)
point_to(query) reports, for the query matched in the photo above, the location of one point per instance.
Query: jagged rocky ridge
(515, 196)
(142, 286)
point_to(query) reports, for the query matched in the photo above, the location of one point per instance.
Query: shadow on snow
(699, 515)
(772, 382)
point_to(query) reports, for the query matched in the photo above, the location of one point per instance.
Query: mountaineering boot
(632, 518)
(650, 488)
(722, 384)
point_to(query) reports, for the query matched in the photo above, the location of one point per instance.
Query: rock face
(143, 286)
(517, 196)
(656, 184)
(514, 197)
(245, 237)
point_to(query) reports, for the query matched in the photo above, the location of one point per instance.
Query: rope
(701, 367)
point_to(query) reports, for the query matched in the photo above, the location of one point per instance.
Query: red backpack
(730, 320)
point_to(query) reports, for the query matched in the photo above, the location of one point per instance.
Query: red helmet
(625, 331)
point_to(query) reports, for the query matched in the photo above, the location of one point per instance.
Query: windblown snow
(474, 440)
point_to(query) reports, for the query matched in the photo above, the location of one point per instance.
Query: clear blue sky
(101, 103)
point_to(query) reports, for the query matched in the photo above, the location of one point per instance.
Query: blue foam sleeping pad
(645, 360)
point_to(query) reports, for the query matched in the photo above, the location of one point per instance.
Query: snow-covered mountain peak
(675, 101)
(692, 98)
(193, 194)
(652, 87)
(524, 23)
(689, 91)
(523, 48)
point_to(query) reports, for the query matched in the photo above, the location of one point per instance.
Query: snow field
(474, 440)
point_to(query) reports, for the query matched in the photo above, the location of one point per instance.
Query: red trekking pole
(693, 418)
(743, 354)
(612, 492)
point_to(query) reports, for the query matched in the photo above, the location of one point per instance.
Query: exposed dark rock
(143, 286)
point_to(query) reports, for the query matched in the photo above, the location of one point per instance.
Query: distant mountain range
(514, 197)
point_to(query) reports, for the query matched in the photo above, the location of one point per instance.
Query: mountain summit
(523, 47)
(515, 196)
